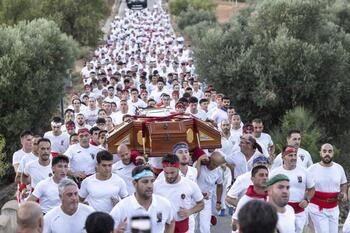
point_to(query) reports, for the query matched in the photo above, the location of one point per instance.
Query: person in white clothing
(209, 179)
(155, 94)
(26, 142)
(46, 190)
(257, 191)
(59, 140)
(181, 150)
(346, 226)
(302, 185)
(181, 191)
(104, 189)
(70, 216)
(263, 139)
(242, 182)
(278, 196)
(144, 203)
(194, 110)
(303, 156)
(227, 141)
(40, 169)
(82, 156)
(242, 159)
(330, 182)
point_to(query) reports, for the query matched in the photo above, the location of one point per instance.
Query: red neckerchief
(251, 193)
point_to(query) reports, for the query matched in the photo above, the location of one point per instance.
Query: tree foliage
(303, 120)
(79, 18)
(192, 16)
(34, 59)
(179, 6)
(279, 55)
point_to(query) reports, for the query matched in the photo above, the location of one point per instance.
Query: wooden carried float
(155, 133)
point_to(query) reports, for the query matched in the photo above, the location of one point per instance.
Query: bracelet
(306, 199)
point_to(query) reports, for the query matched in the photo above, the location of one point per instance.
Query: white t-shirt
(228, 145)
(18, 155)
(181, 195)
(299, 181)
(60, 143)
(240, 186)
(25, 160)
(98, 193)
(191, 174)
(304, 159)
(124, 172)
(47, 193)
(208, 179)
(286, 221)
(244, 200)
(265, 140)
(239, 160)
(219, 115)
(37, 172)
(132, 106)
(82, 159)
(90, 116)
(160, 212)
(56, 221)
(327, 179)
(200, 114)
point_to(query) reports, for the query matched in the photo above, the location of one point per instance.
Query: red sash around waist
(296, 207)
(325, 200)
(182, 226)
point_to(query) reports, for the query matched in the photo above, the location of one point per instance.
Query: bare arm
(219, 190)
(25, 179)
(169, 228)
(232, 201)
(32, 198)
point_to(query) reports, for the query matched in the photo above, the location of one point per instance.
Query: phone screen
(140, 224)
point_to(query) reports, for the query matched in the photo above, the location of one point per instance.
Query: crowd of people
(69, 182)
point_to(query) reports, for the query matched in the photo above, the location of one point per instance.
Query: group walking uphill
(68, 180)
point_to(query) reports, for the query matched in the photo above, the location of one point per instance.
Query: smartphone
(140, 224)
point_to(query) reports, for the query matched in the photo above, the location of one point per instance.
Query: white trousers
(300, 221)
(203, 218)
(325, 220)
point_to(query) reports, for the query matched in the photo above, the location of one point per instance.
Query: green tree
(79, 18)
(178, 6)
(193, 16)
(34, 59)
(303, 120)
(280, 55)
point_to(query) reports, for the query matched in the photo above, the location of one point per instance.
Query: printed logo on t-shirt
(159, 216)
(183, 196)
(92, 155)
(300, 179)
(302, 157)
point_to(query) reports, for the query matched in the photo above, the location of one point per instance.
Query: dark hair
(72, 135)
(57, 119)
(59, 158)
(257, 168)
(102, 110)
(134, 89)
(44, 140)
(25, 133)
(257, 120)
(257, 217)
(68, 110)
(93, 129)
(99, 222)
(170, 158)
(101, 132)
(104, 155)
(225, 98)
(193, 100)
(188, 89)
(290, 132)
(203, 100)
(139, 169)
(186, 95)
(183, 99)
(100, 120)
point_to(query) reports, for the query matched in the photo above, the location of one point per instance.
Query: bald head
(29, 217)
(216, 160)
(124, 154)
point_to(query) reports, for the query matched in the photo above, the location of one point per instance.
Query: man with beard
(181, 191)
(40, 169)
(227, 141)
(302, 186)
(181, 150)
(82, 156)
(303, 156)
(330, 182)
(257, 191)
(81, 122)
(47, 190)
(278, 196)
(144, 203)
(70, 216)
